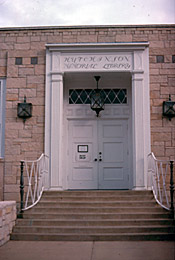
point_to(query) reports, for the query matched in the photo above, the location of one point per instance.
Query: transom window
(111, 96)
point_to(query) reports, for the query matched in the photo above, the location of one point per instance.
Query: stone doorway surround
(99, 57)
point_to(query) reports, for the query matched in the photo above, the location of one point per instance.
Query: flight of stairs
(95, 216)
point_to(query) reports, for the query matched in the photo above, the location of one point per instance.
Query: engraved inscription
(96, 62)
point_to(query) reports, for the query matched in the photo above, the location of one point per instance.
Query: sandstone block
(170, 151)
(12, 188)
(155, 123)
(12, 97)
(10, 179)
(22, 46)
(39, 69)
(11, 133)
(155, 86)
(35, 79)
(160, 79)
(164, 90)
(2, 71)
(38, 45)
(157, 44)
(171, 81)
(154, 94)
(26, 71)
(25, 133)
(16, 83)
(6, 46)
(106, 38)
(123, 38)
(158, 150)
(161, 136)
(154, 71)
(69, 39)
(28, 92)
(167, 71)
(23, 39)
(35, 38)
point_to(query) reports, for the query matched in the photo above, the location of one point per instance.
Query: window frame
(2, 116)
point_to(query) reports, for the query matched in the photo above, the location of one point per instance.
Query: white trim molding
(97, 57)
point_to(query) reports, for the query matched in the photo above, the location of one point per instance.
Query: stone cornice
(84, 27)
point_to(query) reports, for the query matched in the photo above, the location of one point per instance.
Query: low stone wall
(7, 219)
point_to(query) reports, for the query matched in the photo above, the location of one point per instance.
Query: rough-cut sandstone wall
(27, 141)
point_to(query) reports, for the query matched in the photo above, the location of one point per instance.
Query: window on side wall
(2, 117)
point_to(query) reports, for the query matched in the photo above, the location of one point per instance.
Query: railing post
(171, 188)
(20, 215)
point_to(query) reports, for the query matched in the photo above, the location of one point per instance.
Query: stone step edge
(99, 214)
(128, 226)
(95, 220)
(99, 237)
(97, 202)
(88, 207)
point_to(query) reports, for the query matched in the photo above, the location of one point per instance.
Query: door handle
(100, 159)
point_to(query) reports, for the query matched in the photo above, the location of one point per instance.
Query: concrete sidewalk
(26, 250)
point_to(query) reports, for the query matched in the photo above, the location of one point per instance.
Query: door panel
(112, 152)
(113, 144)
(82, 143)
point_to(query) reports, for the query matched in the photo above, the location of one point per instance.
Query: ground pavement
(26, 250)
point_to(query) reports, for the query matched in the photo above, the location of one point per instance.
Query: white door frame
(112, 57)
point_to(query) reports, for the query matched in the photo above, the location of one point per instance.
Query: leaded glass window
(111, 96)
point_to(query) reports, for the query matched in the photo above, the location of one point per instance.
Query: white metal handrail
(160, 172)
(35, 171)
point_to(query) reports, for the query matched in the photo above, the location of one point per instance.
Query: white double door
(98, 154)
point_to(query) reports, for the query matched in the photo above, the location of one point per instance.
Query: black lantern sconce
(97, 100)
(24, 110)
(169, 108)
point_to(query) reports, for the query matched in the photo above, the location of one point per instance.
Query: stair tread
(94, 220)
(98, 234)
(95, 227)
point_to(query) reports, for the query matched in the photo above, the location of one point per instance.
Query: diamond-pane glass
(111, 96)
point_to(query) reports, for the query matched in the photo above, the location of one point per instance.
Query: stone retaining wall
(7, 220)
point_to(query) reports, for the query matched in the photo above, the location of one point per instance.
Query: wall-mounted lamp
(169, 108)
(24, 110)
(97, 100)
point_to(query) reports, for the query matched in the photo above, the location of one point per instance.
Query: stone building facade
(23, 72)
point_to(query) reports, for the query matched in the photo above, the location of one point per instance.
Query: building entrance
(99, 154)
(90, 153)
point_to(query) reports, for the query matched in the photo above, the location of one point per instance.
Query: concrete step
(93, 222)
(94, 237)
(98, 216)
(97, 192)
(96, 204)
(83, 198)
(92, 229)
(94, 210)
